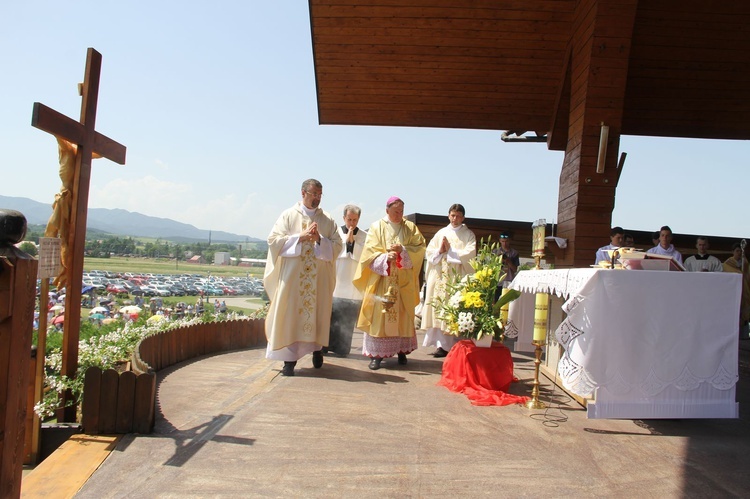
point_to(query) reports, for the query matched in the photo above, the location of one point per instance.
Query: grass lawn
(166, 266)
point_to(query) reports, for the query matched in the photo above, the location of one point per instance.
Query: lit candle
(504, 308)
(541, 306)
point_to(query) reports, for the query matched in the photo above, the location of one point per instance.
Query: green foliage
(468, 307)
(28, 247)
(103, 248)
(87, 330)
(105, 347)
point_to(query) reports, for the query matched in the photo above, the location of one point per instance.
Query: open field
(167, 266)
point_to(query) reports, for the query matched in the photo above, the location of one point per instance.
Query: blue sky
(216, 105)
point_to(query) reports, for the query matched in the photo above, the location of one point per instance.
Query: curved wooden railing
(167, 348)
(125, 402)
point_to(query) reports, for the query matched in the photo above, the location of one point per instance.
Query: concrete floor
(231, 426)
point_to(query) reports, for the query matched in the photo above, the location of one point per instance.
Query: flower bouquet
(468, 308)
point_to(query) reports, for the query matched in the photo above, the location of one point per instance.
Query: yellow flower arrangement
(469, 309)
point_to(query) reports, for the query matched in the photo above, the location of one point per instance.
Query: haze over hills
(125, 223)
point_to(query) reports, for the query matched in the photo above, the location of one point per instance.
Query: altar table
(646, 344)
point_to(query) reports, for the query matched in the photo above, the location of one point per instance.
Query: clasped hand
(445, 246)
(394, 251)
(311, 233)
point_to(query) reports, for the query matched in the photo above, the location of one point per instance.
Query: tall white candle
(541, 306)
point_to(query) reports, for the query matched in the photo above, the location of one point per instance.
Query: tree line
(104, 247)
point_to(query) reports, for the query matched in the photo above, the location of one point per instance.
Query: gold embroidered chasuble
(375, 319)
(300, 285)
(464, 248)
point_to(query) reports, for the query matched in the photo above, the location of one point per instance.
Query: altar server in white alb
(300, 277)
(616, 235)
(347, 299)
(703, 262)
(449, 252)
(665, 246)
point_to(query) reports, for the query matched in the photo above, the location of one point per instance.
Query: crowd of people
(106, 308)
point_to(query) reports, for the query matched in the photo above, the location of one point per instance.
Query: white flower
(465, 322)
(455, 300)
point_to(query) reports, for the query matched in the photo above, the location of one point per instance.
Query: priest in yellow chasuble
(299, 278)
(388, 278)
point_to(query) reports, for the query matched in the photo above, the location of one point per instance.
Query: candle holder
(541, 308)
(535, 403)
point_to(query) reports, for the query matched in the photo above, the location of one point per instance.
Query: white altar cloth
(646, 344)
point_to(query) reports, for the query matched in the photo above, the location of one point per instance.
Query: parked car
(116, 288)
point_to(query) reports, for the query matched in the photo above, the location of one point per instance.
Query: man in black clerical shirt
(703, 262)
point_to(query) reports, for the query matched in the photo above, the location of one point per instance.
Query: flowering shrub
(107, 350)
(469, 309)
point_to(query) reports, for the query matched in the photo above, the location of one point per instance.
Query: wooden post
(89, 142)
(591, 95)
(17, 300)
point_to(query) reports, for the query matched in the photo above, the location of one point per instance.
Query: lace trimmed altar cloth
(482, 374)
(646, 344)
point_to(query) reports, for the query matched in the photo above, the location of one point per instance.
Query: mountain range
(125, 223)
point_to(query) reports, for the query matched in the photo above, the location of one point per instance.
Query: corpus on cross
(89, 142)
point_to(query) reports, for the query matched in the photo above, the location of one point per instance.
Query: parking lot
(166, 285)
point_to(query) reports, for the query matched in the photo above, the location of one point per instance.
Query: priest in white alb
(299, 278)
(448, 255)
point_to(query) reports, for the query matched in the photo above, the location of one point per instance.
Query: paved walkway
(231, 426)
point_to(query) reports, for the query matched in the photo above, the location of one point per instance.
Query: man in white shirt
(703, 262)
(615, 241)
(665, 246)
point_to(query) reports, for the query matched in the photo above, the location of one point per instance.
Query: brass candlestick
(535, 403)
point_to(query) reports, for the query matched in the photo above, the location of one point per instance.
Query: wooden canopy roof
(579, 73)
(505, 64)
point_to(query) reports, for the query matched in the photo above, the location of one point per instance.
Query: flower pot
(484, 342)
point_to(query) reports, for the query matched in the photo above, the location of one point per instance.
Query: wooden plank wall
(17, 284)
(483, 228)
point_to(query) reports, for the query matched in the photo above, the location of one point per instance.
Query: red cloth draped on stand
(482, 374)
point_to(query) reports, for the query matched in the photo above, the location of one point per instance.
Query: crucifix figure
(89, 142)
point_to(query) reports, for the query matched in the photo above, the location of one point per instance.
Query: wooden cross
(89, 142)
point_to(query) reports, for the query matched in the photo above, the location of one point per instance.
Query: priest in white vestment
(346, 298)
(299, 278)
(616, 235)
(665, 246)
(448, 255)
(388, 278)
